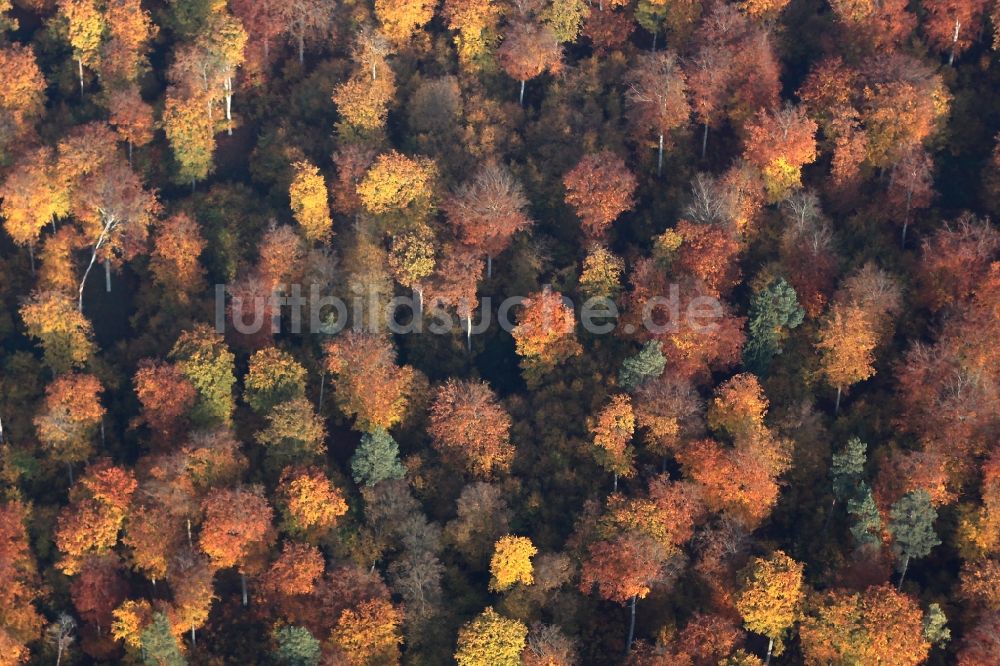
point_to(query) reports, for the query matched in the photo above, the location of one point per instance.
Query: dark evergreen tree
(647, 364)
(771, 310)
(912, 526)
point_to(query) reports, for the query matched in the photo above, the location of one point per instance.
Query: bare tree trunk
(229, 105)
(302, 47)
(906, 216)
(829, 516)
(194, 638)
(489, 266)
(189, 533)
(243, 588)
(954, 43)
(770, 648)
(654, 42)
(704, 141)
(836, 409)
(468, 332)
(79, 63)
(614, 483)
(69, 468)
(631, 625)
(520, 99)
(322, 386)
(93, 258)
(659, 159)
(107, 275)
(129, 142)
(902, 574)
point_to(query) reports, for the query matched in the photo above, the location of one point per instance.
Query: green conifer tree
(647, 364)
(912, 526)
(376, 459)
(771, 310)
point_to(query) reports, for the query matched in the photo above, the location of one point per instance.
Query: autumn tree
(622, 570)
(733, 71)
(130, 32)
(601, 274)
(114, 209)
(309, 202)
(98, 589)
(613, 428)
(466, 421)
(369, 386)
(657, 94)
(191, 135)
(70, 416)
(488, 210)
(295, 572)
(22, 93)
(33, 196)
(397, 186)
(308, 21)
(309, 502)
(511, 563)
(490, 638)
(204, 68)
(274, 376)
(20, 623)
(400, 20)
(369, 633)
(876, 625)
(90, 525)
(236, 523)
(669, 410)
(846, 343)
(545, 332)
(911, 185)
(529, 49)
(295, 434)
(85, 25)
(166, 397)
(780, 143)
(174, 260)
(600, 188)
(954, 25)
(771, 598)
(363, 100)
(475, 22)
(203, 358)
(66, 336)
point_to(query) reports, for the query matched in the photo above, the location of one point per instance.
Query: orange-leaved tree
(467, 421)
(600, 188)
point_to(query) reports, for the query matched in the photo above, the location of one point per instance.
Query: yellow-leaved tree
(770, 600)
(511, 563)
(490, 639)
(309, 202)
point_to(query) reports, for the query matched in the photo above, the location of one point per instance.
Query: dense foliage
(489, 332)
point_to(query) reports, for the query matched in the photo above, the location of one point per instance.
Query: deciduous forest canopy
(714, 375)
